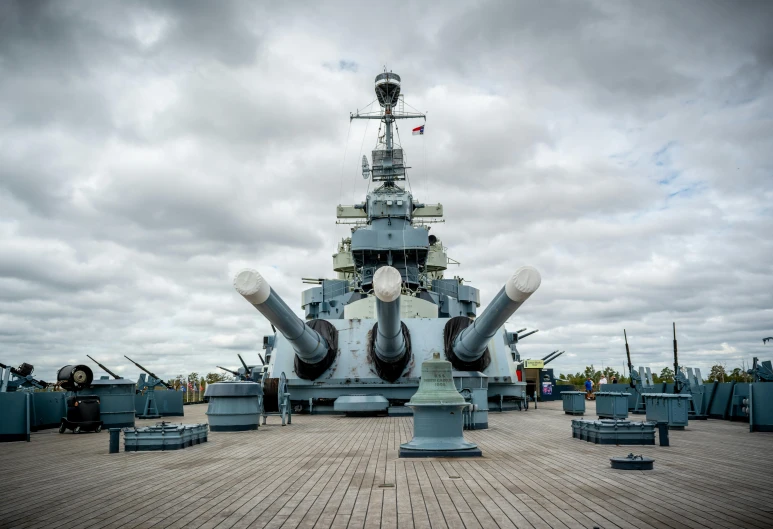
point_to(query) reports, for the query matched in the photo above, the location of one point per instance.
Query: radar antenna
(388, 163)
(365, 167)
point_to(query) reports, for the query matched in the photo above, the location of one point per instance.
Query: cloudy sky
(150, 150)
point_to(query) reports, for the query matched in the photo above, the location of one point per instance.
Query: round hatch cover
(632, 462)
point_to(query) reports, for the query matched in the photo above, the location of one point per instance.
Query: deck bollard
(115, 438)
(663, 434)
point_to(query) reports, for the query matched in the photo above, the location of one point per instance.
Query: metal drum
(233, 406)
(116, 401)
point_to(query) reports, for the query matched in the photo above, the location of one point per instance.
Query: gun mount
(313, 353)
(234, 373)
(468, 346)
(106, 370)
(522, 336)
(552, 356)
(159, 380)
(23, 375)
(761, 371)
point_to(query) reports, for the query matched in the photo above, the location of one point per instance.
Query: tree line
(197, 381)
(718, 373)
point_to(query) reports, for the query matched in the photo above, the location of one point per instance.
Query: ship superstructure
(390, 306)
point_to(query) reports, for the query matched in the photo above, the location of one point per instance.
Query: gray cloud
(151, 149)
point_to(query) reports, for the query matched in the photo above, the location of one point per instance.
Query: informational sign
(533, 364)
(547, 388)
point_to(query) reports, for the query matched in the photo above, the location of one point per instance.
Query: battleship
(368, 330)
(365, 336)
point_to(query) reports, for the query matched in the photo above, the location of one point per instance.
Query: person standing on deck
(602, 380)
(614, 379)
(588, 388)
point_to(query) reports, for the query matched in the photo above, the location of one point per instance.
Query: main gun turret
(315, 343)
(466, 341)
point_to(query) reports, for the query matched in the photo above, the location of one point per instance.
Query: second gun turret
(467, 340)
(390, 340)
(315, 343)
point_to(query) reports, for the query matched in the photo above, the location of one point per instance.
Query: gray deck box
(574, 402)
(612, 405)
(668, 408)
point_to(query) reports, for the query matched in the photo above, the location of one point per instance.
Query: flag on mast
(418, 131)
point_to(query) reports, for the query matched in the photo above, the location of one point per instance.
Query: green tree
(211, 378)
(737, 375)
(666, 375)
(718, 373)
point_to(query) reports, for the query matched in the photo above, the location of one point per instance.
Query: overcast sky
(150, 150)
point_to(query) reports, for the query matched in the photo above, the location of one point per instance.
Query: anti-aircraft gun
(234, 373)
(246, 372)
(105, 369)
(688, 381)
(22, 378)
(153, 379)
(761, 371)
(147, 386)
(640, 381)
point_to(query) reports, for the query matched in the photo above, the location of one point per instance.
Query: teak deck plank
(329, 472)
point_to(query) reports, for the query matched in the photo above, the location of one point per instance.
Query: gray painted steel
(610, 431)
(48, 408)
(437, 432)
(116, 401)
(15, 419)
(438, 421)
(306, 342)
(473, 385)
(574, 402)
(390, 344)
(719, 407)
(234, 406)
(164, 436)
(612, 405)
(632, 462)
(354, 372)
(115, 441)
(760, 406)
(390, 227)
(360, 404)
(472, 341)
(169, 403)
(668, 408)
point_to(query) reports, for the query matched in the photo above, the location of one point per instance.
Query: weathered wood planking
(331, 472)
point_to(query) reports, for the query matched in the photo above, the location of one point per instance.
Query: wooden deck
(328, 471)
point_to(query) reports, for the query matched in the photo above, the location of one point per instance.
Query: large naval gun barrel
(390, 340)
(315, 343)
(466, 342)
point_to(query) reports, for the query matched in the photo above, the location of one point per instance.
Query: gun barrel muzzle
(390, 343)
(309, 345)
(471, 343)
